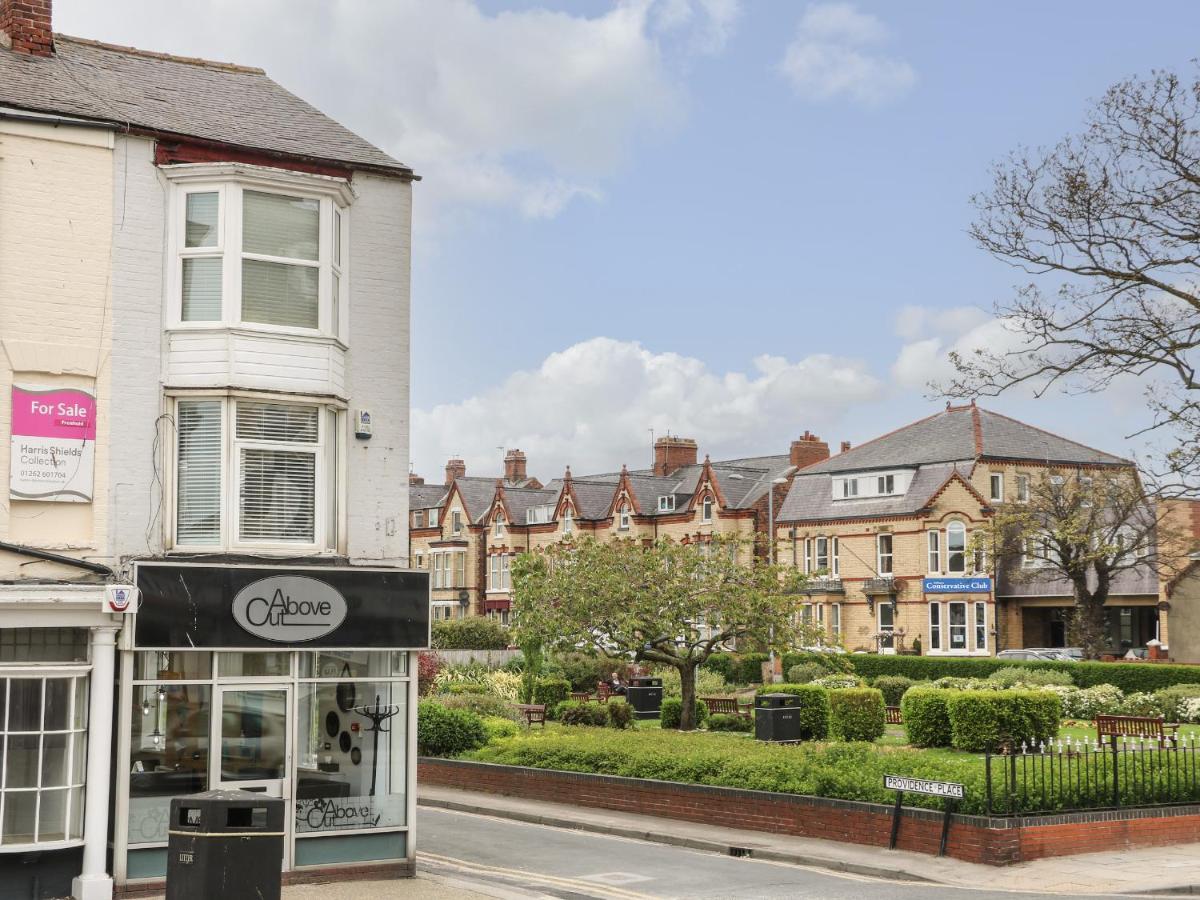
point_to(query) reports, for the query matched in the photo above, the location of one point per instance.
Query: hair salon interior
(204, 331)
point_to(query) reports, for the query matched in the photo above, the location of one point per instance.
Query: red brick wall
(972, 838)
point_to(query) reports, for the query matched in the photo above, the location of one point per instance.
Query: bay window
(255, 473)
(260, 254)
(958, 627)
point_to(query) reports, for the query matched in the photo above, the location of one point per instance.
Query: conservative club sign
(957, 585)
(53, 449)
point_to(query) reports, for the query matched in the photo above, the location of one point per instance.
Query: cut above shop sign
(185, 605)
(957, 585)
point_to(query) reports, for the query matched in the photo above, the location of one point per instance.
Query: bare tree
(1085, 527)
(1115, 212)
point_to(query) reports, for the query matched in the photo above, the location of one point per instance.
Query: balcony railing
(885, 585)
(823, 586)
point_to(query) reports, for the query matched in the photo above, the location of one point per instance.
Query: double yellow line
(574, 884)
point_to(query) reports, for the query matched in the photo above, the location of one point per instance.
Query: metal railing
(820, 585)
(883, 585)
(1066, 776)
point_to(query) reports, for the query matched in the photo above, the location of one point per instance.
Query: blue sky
(765, 246)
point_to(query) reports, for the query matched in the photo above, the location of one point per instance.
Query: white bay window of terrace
(958, 627)
(269, 260)
(255, 474)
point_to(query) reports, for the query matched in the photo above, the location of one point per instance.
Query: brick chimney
(25, 27)
(808, 450)
(514, 466)
(455, 468)
(415, 479)
(845, 446)
(671, 453)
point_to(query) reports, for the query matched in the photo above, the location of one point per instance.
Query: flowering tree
(668, 603)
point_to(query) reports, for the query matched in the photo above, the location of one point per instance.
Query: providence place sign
(288, 608)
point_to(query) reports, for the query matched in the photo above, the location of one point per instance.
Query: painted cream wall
(56, 201)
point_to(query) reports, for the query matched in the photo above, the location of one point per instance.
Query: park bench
(1151, 727)
(893, 716)
(603, 692)
(581, 696)
(724, 706)
(533, 713)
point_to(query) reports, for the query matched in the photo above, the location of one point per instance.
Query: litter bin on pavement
(777, 718)
(645, 695)
(225, 844)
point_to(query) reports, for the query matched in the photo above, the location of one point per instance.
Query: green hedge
(447, 732)
(926, 717)
(575, 712)
(471, 633)
(551, 692)
(814, 707)
(893, 687)
(989, 720)
(1128, 676)
(620, 715)
(856, 714)
(738, 668)
(726, 722)
(670, 714)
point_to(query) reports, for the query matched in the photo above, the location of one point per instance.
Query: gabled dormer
(708, 499)
(567, 508)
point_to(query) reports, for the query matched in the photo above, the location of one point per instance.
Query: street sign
(951, 789)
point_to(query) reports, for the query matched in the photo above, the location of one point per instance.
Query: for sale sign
(53, 450)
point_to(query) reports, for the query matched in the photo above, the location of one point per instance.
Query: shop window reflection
(168, 751)
(351, 756)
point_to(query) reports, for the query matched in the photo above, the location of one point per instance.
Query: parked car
(1026, 654)
(1069, 654)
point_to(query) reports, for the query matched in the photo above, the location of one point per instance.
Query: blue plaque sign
(957, 585)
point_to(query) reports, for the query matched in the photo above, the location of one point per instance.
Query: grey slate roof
(1138, 580)
(521, 500)
(175, 95)
(477, 494)
(594, 496)
(811, 496)
(951, 435)
(424, 496)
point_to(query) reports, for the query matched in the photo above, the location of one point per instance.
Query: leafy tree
(1113, 215)
(668, 603)
(1085, 527)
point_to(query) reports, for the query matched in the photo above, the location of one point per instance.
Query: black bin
(225, 844)
(645, 695)
(777, 718)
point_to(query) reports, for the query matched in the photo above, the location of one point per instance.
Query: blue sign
(957, 585)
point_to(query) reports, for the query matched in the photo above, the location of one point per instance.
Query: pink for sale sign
(53, 450)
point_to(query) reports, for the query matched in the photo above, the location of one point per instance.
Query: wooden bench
(533, 713)
(893, 716)
(603, 692)
(1151, 727)
(581, 696)
(724, 706)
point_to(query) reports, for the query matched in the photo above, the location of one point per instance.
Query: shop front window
(43, 749)
(351, 763)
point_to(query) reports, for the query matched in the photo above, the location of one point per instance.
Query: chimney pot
(514, 466)
(25, 27)
(414, 478)
(455, 468)
(845, 446)
(671, 453)
(808, 451)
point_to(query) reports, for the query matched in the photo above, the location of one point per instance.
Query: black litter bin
(777, 718)
(645, 695)
(226, 844)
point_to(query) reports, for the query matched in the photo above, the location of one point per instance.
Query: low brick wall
(977, 839)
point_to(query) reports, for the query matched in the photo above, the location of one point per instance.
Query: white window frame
(849, 488)
(456, 521)
(835, 557)
(433, 518)
(967, 626)
(329, 476)
(418, 518)
(706, 509)
(996, 487)
(623, 517)
(835, 620)
(889, 643)
(820, 554)
(890, 555)
(886, 485)
(568, 520)
(936, 638)
(956, 526)
(666, 503)
(934, 544)
(229, 181)
(498, 523)
(979, 628)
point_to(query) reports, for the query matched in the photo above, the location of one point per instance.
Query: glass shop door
(252, 735)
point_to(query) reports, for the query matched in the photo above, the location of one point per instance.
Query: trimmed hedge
(739, 668)
(447, 732)
(551, 692)
(926, 717)
(726, 722)
(671, 712)
(573, 712)
(471, 633)
(856, 714)
(814, 707)
(481, 704)
(988, 720)
(1130, 677)
(893, 687)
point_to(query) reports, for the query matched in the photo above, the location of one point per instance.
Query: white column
(94, 882)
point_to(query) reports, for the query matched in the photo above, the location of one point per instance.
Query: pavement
(1158, 870)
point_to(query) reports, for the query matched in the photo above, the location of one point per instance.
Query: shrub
(516, 665)
(708, 683)
(499, 728)
(1189, 710)
(954, 683)
(480, 704)
(725, 722)
(1139, 704)
(926, 717)
(747, 668)
(893, 687)
(1128, 676)
(1171, 701)
(830, 663)
(620, 715)
(471, 633)
(814, 708)
(447, 732)
(1011, 676)
(834, 682)
(803, 673)
(551, 692)
(989, 720)
(720, 662)
(428, 666)
(856, 714)
(575, 712)
(671, 712)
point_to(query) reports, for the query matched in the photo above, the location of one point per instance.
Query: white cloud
(592, 406)
(835, 53)
(528, 110)
(931, 334)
